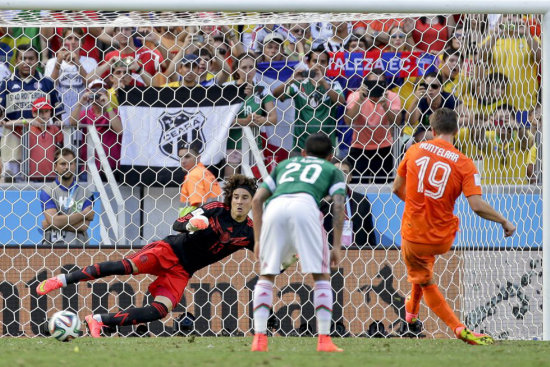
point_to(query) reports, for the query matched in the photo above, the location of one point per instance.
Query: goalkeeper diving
(208, 234)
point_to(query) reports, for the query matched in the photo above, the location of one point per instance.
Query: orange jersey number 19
(440, 183)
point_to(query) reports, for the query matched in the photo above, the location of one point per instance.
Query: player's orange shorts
(157, 258)
(419, 259)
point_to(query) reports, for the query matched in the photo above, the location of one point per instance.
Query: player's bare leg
(323, 300)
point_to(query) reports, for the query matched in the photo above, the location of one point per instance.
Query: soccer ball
(64, 326)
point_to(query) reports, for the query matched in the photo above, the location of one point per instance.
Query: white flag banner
(152, 135)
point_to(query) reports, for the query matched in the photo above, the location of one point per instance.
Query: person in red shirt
(432, 32)
(43, 139)
(148, 59)
(430, 178)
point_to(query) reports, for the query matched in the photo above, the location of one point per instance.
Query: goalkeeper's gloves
(197, 223)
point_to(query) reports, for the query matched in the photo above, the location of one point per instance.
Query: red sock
(435, 301)
(412, 305)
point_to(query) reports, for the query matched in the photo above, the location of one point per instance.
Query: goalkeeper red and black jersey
(223, 237)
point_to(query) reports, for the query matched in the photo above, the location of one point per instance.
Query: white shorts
(293, 224)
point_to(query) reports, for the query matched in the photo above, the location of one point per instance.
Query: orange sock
(413, 303)
(435, 301)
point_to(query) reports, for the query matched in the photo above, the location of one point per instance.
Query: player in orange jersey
(430, 178)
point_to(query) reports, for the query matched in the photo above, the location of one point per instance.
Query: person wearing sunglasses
(428, 97)
(509, 150)
(399, 41)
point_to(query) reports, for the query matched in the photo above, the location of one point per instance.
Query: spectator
(278, 138)
(487, 94)
(16, 97)
(263, 31)
(212, 70)
(358, 229)
(399, 41)
(357, 44)
(372, 111)
(316, 99)
(475, 31)
(467, 121)
(68, 207)
(244, 34)
(511, 50)
(33, 37)
(187, 72)
(172, 40)
(120, 78)
(320, 33)
(199, 185)
(302, 33)
(427, 98)
(535, 119)
(226, 44)
(101, 115)
(149, 59)
(455, 42)
(69, 69)
(44, 139)
(509, 152)
(432, 32)
(91, 35)
(379, 29)
(449, 70)
(273, 48)
(258, 109)
(341, 32)
(6, 53)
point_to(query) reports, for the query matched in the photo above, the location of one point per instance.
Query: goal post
(493, 284)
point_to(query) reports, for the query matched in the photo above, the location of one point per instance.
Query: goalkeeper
(208, 234)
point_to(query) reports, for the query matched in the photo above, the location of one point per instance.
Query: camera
(258, 89)
(96, 95)
(308, 74)
(376, 89)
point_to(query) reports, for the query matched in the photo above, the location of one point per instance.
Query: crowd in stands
(487, 67)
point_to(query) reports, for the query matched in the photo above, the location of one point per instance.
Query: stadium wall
(369, 286)
(152, 210)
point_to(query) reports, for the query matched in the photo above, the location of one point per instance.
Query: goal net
(134, 95)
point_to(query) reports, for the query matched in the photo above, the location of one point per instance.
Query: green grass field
(234, 352)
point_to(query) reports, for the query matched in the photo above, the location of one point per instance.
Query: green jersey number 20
(310, 174)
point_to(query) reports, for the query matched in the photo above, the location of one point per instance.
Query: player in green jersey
(292, 223)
